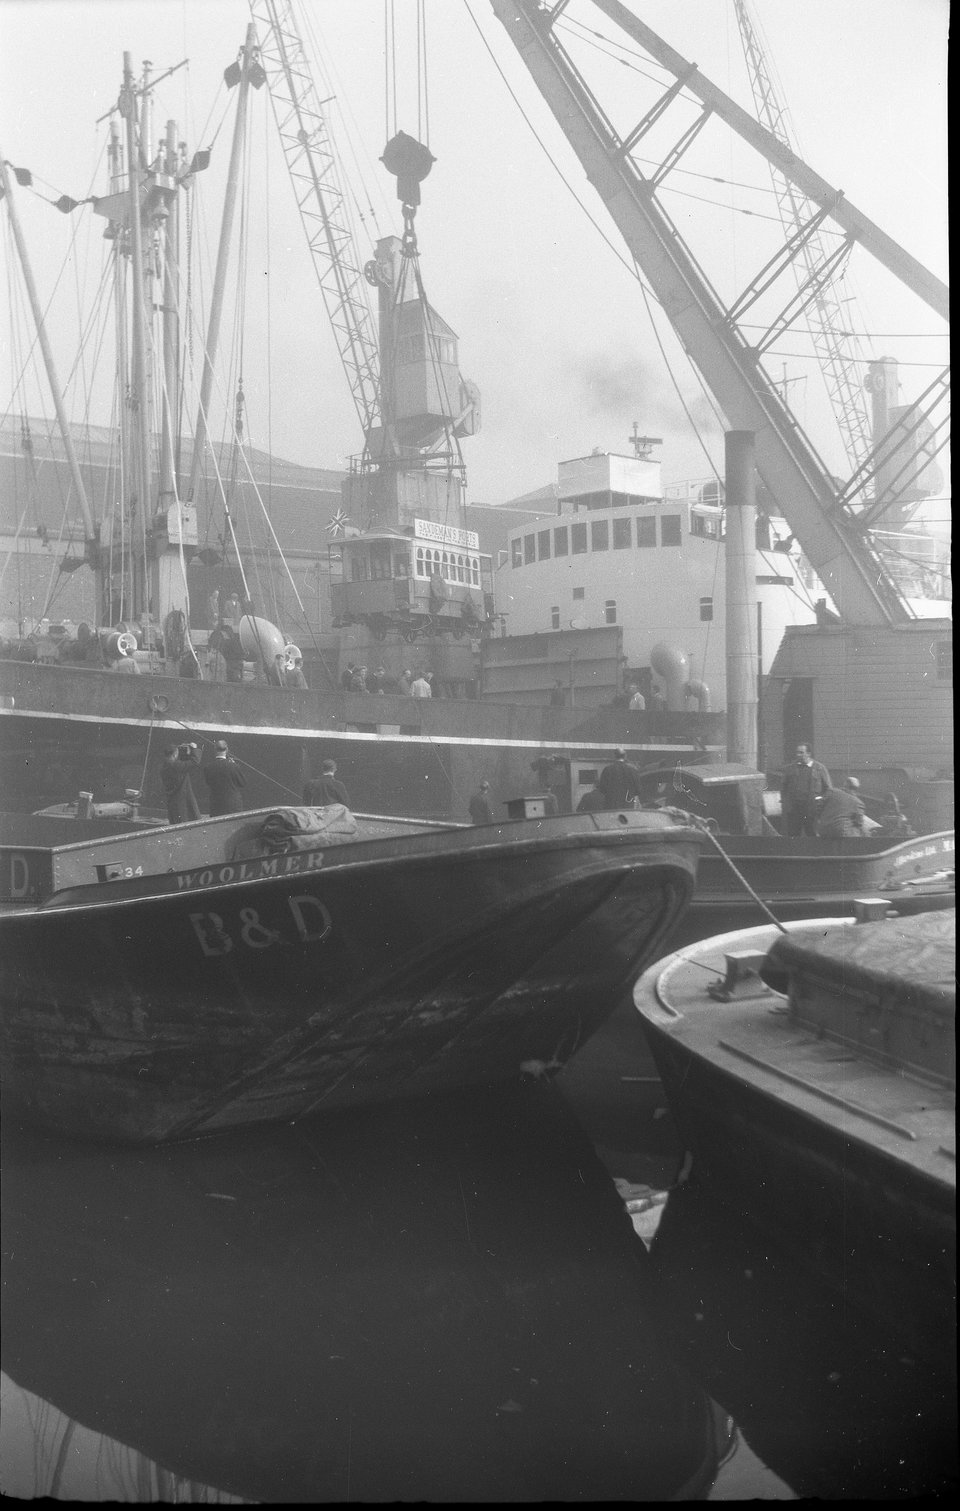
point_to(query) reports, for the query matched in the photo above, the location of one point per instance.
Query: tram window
(421, 569)
(475, 571)
(401, 565)
(379, 562)
(358, 567)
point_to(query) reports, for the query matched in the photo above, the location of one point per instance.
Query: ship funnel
(672, 666)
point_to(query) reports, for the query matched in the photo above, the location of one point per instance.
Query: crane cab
(430, 577)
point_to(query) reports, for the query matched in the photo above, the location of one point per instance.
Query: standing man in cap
(324, 789)
(480, 810)
(842, 812)
(225, 781)
(620, 782)
(178, 762)
(804, 782)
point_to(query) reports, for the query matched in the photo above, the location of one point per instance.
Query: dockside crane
(314, 169)
(413, 571)
(836, 344)
(828, 522)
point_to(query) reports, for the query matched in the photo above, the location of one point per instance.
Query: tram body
(433, 576)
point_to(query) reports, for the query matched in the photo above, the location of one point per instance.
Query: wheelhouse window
(578, 539)
(622, 532)
(555, 617)
(670, 529)
(599, 535)
(610, 611)
(516, 552)
(646, 530)
(703, 525)
(529, 548)
(543, 544)
(560, 541)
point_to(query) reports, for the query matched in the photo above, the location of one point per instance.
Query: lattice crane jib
(829, 318)
(314, 168)
(823, 519)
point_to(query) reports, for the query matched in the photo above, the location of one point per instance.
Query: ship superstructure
(623, 550)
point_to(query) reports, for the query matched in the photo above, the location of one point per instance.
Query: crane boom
(835, 344)
(932, 290)
(314, 172)
(796, 477)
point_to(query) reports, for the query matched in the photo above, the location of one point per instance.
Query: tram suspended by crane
(409, 569)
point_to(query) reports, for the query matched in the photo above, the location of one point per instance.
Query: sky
(552, 325)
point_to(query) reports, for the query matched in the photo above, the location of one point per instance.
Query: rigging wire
(586, 34)
(676, 386)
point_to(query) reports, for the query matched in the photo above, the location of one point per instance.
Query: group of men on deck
(811, 804)
(224, 778)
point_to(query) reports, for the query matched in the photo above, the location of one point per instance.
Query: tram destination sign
(446, 535)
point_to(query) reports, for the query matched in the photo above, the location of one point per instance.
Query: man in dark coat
(324, 789)
(480, 810)
(842, 812)
(225, 781)
(804, 782)
(178, 763)
(593, 800)
(620, 782)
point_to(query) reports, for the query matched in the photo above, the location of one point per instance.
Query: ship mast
(247, 75)
(140, 371)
